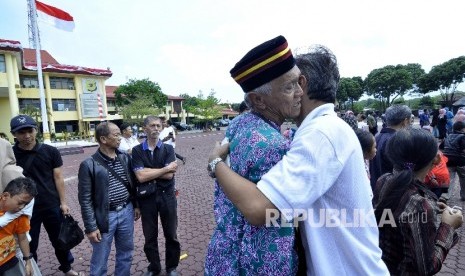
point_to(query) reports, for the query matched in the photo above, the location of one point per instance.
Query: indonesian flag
(55, 17)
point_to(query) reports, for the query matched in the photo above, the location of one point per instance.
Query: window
(64, 104)
(29, 81)
(111, 103)
(2, 64)
(23, 103)
(61, 83)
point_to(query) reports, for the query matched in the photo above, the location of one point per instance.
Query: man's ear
(257, 99)
(5, 195)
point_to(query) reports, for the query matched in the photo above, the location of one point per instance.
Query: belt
(120, 207)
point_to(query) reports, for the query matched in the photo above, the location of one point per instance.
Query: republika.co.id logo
(338, 218)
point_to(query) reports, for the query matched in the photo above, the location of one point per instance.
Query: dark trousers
(179, 156)
(162, 202)
(51, 218)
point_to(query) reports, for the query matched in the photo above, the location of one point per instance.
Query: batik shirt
(237, 247)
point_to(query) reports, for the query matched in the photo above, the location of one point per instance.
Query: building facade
(73, 93)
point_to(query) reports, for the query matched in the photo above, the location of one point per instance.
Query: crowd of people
(336, 196)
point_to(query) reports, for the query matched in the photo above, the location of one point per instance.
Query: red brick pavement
(196, 221)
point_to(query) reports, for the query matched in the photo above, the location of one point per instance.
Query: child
(438, 178)
(16, 195)
(368, 143)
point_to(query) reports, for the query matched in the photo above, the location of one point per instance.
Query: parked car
(224, 122)
(182, 126)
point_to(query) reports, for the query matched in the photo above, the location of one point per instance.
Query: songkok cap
(263, 64)
(22, 121)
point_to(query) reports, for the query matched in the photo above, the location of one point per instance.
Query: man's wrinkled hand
(172, 167)
(220, 151)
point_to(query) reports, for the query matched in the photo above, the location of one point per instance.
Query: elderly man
(397, 117)
(321, 181)
(269, 77)
(154, 164)
(108, 202)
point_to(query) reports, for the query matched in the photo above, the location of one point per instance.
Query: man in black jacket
(154, 164)
(108, 204)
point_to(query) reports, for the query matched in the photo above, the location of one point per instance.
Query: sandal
(75, 273)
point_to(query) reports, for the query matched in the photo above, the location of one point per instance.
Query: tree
(444, 77)
(388, 83)
(350, 89)
(138, 108)
(207, 108)
(135, 89)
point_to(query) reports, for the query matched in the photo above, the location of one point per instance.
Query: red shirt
(440, 173)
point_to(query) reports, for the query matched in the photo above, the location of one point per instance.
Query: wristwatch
(212, 166)
(28, 257)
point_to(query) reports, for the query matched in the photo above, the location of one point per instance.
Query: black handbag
(70, 234)
(146, 189)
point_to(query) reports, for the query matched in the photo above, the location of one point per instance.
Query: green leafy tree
(138, 108)
(388, 83)
(208, 108)
(136, 89)
(444, 77)
(350, 89)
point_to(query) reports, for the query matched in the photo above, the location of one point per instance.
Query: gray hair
(264, 89)
(150, 118)
(319, 67)
(396, 114)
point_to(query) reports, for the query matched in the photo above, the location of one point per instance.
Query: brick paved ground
(195, 215)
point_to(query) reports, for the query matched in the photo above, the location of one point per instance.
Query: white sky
(190, 45)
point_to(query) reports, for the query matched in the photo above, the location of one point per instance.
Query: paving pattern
(195, 212)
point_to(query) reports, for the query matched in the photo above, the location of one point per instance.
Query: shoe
(172, 273)
(151, 273)
(74, 273)
(183, 161)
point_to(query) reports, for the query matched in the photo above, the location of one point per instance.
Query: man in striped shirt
(108, 203)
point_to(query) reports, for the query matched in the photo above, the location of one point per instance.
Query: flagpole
(43, 107)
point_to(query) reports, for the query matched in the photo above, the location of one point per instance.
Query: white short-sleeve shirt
(323, 177)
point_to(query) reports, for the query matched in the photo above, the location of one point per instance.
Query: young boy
(438, 177)
(17, 194)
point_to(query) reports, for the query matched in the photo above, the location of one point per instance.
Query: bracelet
(28, 258)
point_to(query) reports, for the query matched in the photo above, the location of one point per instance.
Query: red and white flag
(55, 17)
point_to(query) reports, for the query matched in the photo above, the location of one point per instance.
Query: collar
(271, 123)
(35, 148)
(106, 157)
(387, 130)
(145, 144)
(322, 110)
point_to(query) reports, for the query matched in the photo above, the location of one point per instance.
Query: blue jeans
(51, 218)
(121, 227)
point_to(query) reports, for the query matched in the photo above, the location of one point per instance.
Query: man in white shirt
(168, 136)
(321, 182)
(128, 141)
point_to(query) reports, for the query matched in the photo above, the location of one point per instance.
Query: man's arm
(243, 193)
(60, 185)
(148, 174)
(85, 184)
(8, 166)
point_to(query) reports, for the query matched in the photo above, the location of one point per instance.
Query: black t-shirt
(46, 158)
